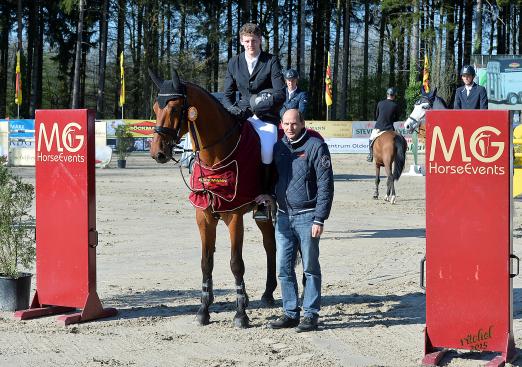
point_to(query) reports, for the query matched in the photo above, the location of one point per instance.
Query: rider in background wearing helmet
(470, 96)
(386, 114)
(295, 97)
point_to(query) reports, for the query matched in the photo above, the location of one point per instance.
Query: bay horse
(389, 151)
(417, 118)
(214, 133)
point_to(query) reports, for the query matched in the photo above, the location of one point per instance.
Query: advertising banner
(65, 206)
(468, 229)
(331, 129)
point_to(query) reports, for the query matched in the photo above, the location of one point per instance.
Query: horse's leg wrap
(241, 318)
(207, 298)
(207, 293)
(241, 297)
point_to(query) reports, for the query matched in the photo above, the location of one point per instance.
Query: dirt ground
(373, 310)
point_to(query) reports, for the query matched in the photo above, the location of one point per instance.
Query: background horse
(389, 149)
(416, 120)
(214, 133)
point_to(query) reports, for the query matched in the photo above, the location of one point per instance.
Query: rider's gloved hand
(239, 113)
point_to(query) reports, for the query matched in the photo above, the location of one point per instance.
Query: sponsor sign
(19, 130)
(344, 145)
(65, 206)
(468, 229)
(138, 128)
(331, 129)
(4, 142)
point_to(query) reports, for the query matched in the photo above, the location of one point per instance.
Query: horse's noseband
(174, 133)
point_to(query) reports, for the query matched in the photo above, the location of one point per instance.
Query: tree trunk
(36, 76)
(301, 14)
(119, 49)
(78, 60)
(5, 26)
(477, 47)
(182, 27)
(346, 59)
(335, 78)
(460, 9)
(275, 14)
(230, 36)
(138, 75)
(468, 24)
(100, 96)
(380, 56)
(313, 54)
(290, 33)
(364, 92)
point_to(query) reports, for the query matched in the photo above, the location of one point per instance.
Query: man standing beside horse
(386, 114)
(304, 194)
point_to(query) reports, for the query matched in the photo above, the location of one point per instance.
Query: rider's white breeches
(374, 134)
(268, 137)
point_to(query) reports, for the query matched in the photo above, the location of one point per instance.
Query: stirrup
(261, 213)
(369, 158)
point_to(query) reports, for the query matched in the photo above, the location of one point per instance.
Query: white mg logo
(481, 144)
(71, 138)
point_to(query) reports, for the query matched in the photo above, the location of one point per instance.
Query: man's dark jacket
(304, 177)
(386, 114)
(266, 75)
(298, 100)
(477, 99)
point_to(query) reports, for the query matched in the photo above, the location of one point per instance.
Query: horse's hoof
(392, 200)
(386, 198)
(375, 197)
(241, 322)
(267, 300)
(203, 318)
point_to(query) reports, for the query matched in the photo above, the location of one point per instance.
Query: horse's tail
(400, 155)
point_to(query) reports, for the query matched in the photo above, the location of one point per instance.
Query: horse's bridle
(167, 131)
(417, 122)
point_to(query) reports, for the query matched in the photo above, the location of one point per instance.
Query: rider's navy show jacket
(304, 177)
(298, 100)
(266, 75)
(477, 99)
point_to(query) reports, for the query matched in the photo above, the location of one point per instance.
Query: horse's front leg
(377, 181)
(207, 230)
(235, 227)
(267, 229)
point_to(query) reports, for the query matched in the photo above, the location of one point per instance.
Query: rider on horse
(386, 114)
(257, 76)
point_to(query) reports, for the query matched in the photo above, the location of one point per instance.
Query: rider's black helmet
(467, 69)
(392, 91)
(291, 74)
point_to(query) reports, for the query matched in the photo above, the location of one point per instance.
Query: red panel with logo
(468, 230)
(65, 206)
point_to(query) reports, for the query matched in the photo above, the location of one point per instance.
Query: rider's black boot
(370, 154)
(262, 213)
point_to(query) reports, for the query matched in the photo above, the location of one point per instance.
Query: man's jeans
(293, 231)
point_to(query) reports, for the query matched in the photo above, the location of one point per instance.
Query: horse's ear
(434, 92)
(157, 81)
(423, 91)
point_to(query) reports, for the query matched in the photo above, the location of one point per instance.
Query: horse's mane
(204, 91)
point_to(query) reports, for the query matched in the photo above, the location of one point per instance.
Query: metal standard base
(433, 356)
(91, 311)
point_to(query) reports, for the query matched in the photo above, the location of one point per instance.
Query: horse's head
(171, 117)
(418, 114)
